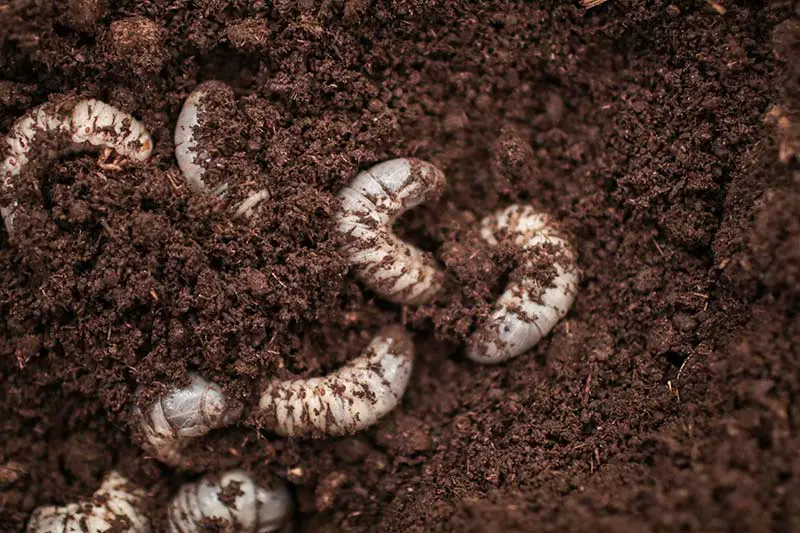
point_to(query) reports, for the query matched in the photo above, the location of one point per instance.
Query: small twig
(107, 228)
(660, 251)
(172, 182)
(674, 391)
(589, 4)
(683, 365)
(703, 296)
(586, 390)
(282, 284)
(719, 8)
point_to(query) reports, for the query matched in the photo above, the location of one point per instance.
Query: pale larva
(87, 123)
(100, 124)
(371, 203)
(182, 414)
(526, 311)
(193, 159)
(115, 506)
(232, 502)
(350, 399)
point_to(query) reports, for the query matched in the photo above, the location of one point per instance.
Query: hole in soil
(148, 204)
(676, 361)
(227, 65)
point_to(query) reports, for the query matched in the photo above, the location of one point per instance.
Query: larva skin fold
(115, 506)
(182, 414)
(255, 508)
(84, 124)
(526, 311)
(193, 160)
(394, 269)
(350, 399)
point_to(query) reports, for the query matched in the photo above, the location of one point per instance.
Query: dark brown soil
(667, 400)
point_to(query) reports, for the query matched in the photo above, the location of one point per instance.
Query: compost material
(662, 136)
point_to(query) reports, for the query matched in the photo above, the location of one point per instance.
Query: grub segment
(254, 509)
(370, 205)
(85, 124)
(194, 160)
(182, 414)
(116, 504)
(350, 399)
(526, 311)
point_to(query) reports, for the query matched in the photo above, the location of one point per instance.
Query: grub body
(253, 509)
(116, 503)
(370, 204)
(194, 160)
(182, 414)
(350, 399)
(527, 310)
(56, 128)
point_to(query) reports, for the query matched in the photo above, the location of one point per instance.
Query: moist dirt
(663, 136)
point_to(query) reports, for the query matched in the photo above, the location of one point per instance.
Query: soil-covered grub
(661, 136)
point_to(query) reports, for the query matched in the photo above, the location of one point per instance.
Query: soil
(667, 400)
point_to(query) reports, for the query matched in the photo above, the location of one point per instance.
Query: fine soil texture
(664, 138)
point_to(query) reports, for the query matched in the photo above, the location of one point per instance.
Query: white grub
(115, 506)
(231, 502)
(193, 160)
(370, 205)
(99, 124)
(248, 205)
(526, 311)
(87, 123)
(182, 414)
(350, 399)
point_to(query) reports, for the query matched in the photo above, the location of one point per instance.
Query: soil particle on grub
(664, 401)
